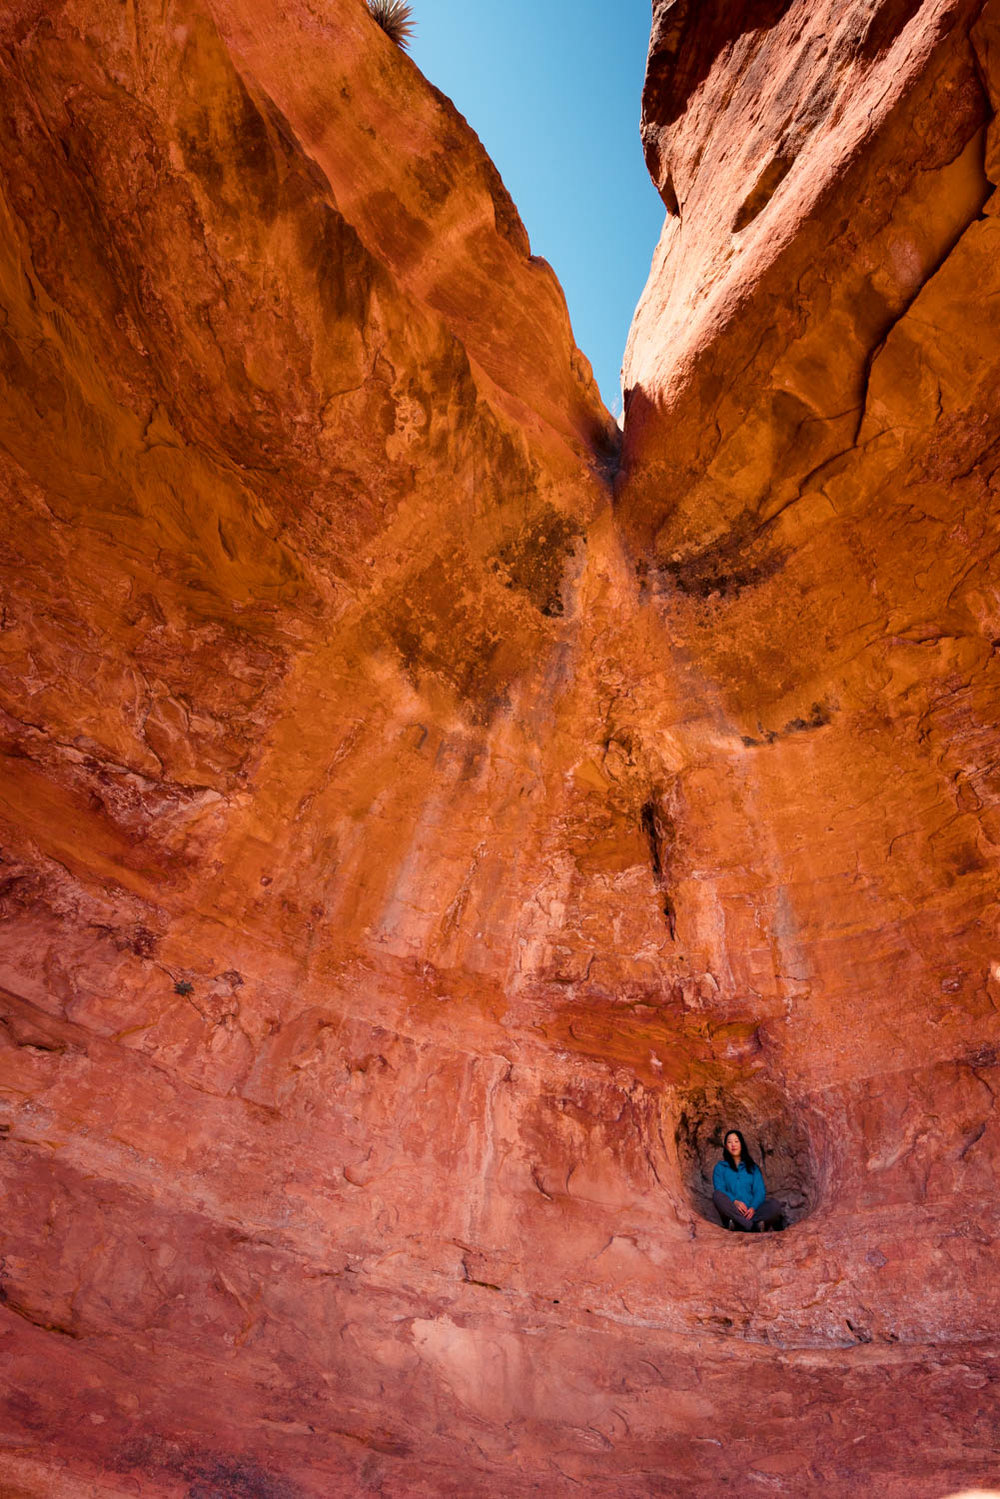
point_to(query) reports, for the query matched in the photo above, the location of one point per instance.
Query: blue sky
(552, 88)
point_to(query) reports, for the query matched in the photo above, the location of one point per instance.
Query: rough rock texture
(416, 839)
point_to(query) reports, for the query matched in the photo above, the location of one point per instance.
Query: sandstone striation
(423, 823)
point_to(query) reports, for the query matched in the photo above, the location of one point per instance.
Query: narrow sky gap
(553, 89)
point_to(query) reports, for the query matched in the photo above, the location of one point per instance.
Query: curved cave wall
(428, 814)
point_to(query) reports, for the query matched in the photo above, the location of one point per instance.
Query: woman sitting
(739, 1192)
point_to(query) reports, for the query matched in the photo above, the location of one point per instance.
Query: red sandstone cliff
(410, 847)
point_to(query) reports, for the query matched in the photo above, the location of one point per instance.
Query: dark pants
(770, 1211)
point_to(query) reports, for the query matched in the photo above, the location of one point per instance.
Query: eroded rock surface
(418, 832)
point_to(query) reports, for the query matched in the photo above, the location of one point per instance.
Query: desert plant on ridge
(395, 18)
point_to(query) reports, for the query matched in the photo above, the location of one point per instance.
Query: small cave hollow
(785, 1140)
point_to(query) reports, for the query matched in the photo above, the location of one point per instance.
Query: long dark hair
(746, 1159)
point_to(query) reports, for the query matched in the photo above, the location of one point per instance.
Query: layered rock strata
(422, 824)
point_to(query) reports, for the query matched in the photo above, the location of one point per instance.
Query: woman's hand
(747, 1212)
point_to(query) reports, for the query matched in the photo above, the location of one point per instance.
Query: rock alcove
(409, 812)
(782, 1137)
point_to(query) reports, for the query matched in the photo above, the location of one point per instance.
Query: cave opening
(785, 1138)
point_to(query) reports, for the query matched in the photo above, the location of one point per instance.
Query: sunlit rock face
(424, 827)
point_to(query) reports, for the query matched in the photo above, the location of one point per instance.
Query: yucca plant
(395, 18)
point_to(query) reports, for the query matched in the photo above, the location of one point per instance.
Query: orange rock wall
(421, 826)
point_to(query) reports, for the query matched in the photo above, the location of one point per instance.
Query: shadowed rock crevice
(660, 836)
(767, 184)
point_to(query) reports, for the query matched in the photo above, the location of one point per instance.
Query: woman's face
(733, 1146)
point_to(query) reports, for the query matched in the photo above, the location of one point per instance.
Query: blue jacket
(740, 1185)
